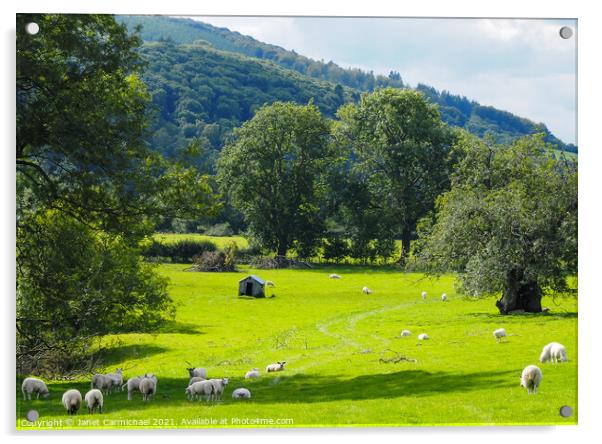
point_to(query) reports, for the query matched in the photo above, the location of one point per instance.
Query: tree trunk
(519, 295)
(406, 236)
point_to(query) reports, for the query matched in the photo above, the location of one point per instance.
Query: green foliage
(88, 186)
(201, 94)
(335, 249)
(180, 251)
(511, 215)
(273, 171)
(399, 148)
(74, 282)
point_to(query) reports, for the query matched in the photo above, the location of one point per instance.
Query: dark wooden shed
(252, 286)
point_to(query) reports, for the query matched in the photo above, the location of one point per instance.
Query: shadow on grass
(274, 389)
(181, 328)
(123, 353)
(521, 316)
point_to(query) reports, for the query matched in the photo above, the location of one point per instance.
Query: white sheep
(133, 384)
(195, 379)
(444, 297)
(406, 333)
(241, 393)
(366, 290)
(531, 378)
(553, 352)
(252, 374)
(219, 386)
(279, 366)
(102, 383)
(200, 389)
(270, 284)
(148, 386)
(423, 337)
(72, 400)
(424, 295)
(499, 334)
(198, 371)
(334, 276)
(34, 385)
(94, 400)
(116, 378)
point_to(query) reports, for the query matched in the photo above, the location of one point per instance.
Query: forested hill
(201, 94)
(207, 80)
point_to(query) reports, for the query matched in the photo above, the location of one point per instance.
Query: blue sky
(518, 65)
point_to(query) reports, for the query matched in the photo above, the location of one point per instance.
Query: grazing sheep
(198, 371)
(499, 334)
(424, 295)
(200, 389)
(116, 378)
(148, 386)
(334, 276)
(94, 400)
(72, 400)
(423, 337)
(195, 379)
(553, 352)
(241, 393)
(34, 385)
(406, 333)
(102, 383)
(279, 366)
(444, 297)
(252, 374)
(133, 384)
(366, 290)
(270, 284)
(531, 378)
(219, 386)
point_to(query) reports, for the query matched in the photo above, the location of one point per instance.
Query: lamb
(148, 386)
(132, 385)
(94, 400)
(241, 393)
(499, 334)
(279, 366)
(34, 385)
(531, 378)
(406, 333)
(424, 295)
(200, 389)
(252, 374)
(218, 387)
(366, 290)
(423, 337)
(102, 383)
(195, 379)
(72, 400)
(270, 284)
(553, 352)
(444, 297)
(334, 276)
(197, 371)
(116, 378)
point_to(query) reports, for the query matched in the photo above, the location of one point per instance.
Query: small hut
(252, 286)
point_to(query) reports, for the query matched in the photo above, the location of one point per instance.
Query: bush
(219, 230)
(217, 260)
(335, 249)
(182, 251)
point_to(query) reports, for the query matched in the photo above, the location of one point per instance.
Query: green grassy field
(332, 337)
(220, 242)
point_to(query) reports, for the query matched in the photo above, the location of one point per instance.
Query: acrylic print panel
(295, 222)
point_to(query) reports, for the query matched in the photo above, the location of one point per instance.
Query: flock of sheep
(199, 387)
